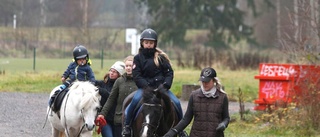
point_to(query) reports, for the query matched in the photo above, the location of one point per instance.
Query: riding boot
(126, 131)
(62, 87)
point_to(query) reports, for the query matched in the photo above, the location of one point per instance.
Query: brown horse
(156, 115)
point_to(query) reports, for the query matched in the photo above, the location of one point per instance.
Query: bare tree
(299, 39)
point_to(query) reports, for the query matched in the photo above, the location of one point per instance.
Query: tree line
(222, 22)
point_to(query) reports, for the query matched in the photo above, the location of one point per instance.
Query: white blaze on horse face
(89, 119)
(145, 128)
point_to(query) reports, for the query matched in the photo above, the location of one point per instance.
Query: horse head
(89, 105)
(152, 111)
(156, 115)
(78, 111)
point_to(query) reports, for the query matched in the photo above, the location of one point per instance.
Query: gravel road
(23, 114)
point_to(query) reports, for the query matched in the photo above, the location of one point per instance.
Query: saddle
(136, 109)
(58, 100)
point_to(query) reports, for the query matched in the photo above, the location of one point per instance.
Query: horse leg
(62, 134)
(72, 132)
(55, 132)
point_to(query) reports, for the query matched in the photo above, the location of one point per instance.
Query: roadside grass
(20, 76)
(266, 129)
(17, 75)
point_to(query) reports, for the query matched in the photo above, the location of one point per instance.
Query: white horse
(78, 111)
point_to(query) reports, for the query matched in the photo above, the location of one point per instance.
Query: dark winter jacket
(104, 91)
(123, 86)
(147, 74)
(207, 114)
(79, 72)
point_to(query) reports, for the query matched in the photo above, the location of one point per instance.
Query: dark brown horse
(155, 116)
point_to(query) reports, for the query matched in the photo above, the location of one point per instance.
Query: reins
(84, 123)
(45, 122)
(65, 122)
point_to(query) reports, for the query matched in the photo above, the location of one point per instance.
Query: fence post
(34, 58)
(186, 91)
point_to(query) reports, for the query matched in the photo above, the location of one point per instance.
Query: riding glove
(221, 127)
(162, 88)
(100, 122)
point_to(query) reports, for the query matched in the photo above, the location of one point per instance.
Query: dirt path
(23, 114)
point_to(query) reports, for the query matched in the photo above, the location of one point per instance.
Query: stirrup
(126, 131)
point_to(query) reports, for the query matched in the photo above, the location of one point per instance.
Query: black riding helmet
(80, 52)
(149, 34)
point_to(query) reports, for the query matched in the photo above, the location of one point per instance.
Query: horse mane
(157, 96)
(151, 96)
(87, 100)
(85, 86)
(89, 93)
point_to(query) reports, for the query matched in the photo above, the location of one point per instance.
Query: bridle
(84, 123)
(146, 124)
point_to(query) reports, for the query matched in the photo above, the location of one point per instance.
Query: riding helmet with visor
(80, 52)
(149, 34)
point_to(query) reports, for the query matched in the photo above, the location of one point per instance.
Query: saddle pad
(58, 100)
(137, 109)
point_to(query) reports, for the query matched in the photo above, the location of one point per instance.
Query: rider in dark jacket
(151, 68)
(79, 69)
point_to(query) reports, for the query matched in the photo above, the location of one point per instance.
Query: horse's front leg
(55, 132)
(72, 132)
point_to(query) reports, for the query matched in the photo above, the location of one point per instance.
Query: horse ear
(96, 89)
(162, 89)
(157, 92)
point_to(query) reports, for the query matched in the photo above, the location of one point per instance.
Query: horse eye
(98, 108)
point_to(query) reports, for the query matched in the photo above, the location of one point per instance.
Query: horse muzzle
(90, 127)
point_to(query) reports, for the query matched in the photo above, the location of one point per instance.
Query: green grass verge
(23, 75)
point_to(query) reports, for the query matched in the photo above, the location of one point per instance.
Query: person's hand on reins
(63, 79)
(100, 121)
(162, 88)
